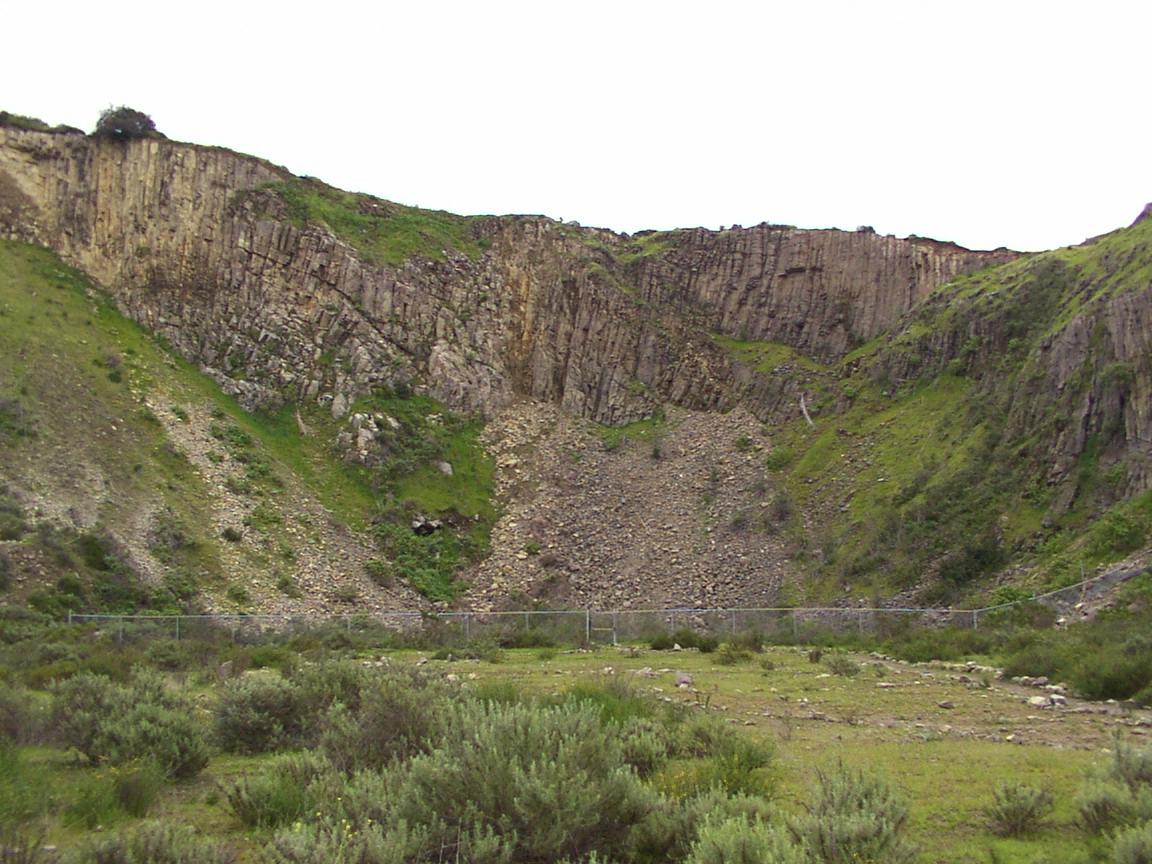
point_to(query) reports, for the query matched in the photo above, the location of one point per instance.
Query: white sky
(1023, 124)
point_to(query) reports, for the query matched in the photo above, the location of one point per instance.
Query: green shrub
(748, 640)
(855, 817)
(685, 638)
(260, 713)
(373, 844)
(395, 720)
(646, 744)
(551, 779)
(745, 841)
(1112, 672)
(108, 722)
(168, 654)
(81, 709)
(1103, 805)
(125, 123)
(1133, 846)
(846, 667)
(700, 736)
(171, 737)
(729, 655)
(322, 685)
(155, 843)
(673, 824)
(1018, 809)
(1131, 765)
(281, 795)
(778, 458)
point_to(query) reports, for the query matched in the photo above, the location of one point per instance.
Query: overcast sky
(1013, 124)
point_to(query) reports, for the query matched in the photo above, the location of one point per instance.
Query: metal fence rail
(588, 626)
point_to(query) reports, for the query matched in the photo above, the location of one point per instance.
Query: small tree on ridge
(125, 123)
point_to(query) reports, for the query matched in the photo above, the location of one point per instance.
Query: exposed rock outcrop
(195, 246)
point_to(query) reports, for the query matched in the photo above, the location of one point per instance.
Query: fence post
(975, 619)
(795, 626)
(177, 628)
(69, 617)
(467, 628)
(860, 623)
(587, 626)
(732, 621)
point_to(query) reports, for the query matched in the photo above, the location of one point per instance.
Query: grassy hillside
(129, 480)
(381, 231)
(940, 454)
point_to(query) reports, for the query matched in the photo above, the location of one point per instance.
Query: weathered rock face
(193, 246)
(822, 292)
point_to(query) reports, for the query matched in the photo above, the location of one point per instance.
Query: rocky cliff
(908, 413)
(198, 245)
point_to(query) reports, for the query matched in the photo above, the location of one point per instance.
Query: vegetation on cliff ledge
(381, 231)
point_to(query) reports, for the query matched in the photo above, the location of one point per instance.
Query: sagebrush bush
(550, 778)
(1120, 795)
(172, 738)
(281, 795)
(1103, 805)
(855, 817)
(322, 685)
(155, 843)
(398, 717)
(669, 829)
(745, 841)
(1018, 809)
(81, 710)
(685, 638)
(701, 735)
(646, 744)
(729, 655)
(260, 713)
(111, 723)
(748, 640)
(838, 664)
(1131, 765)
(374, 844)
(1133, 846)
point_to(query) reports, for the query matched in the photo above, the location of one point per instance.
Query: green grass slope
(102, 508)
(947, 451)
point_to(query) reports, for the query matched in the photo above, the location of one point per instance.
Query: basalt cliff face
(195, 244)
(825, 413)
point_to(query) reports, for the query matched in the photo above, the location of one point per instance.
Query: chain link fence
(589, 626)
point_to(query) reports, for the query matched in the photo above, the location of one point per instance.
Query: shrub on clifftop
(125, 123)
